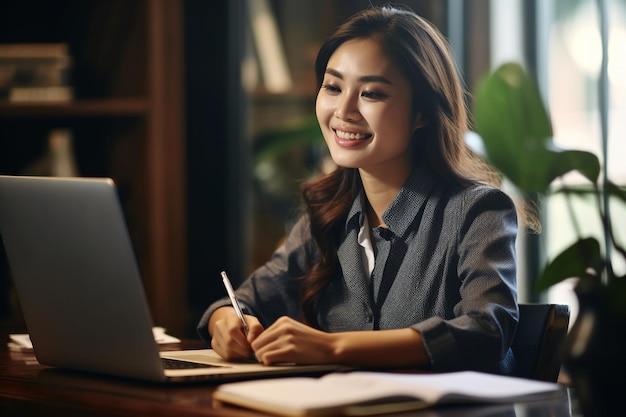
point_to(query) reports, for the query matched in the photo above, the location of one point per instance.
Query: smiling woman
(408, 238)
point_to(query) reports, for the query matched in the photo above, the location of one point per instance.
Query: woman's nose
(347, 109)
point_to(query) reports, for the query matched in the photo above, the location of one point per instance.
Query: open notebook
(362, 393)
(79, 287)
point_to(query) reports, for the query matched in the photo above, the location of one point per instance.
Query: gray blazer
(445, 267)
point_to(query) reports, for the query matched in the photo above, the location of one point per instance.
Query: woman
(405, 254)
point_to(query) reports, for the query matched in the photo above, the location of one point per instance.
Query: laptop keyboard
(176, 364)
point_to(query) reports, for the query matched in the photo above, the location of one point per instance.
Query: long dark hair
(421, 52)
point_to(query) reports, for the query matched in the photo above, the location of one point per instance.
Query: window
(572, 56)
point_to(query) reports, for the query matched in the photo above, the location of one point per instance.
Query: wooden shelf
(79, 108)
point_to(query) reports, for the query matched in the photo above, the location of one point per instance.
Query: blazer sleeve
(480, 334)
(273, 289)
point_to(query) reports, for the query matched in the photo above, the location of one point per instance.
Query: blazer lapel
(349, 254)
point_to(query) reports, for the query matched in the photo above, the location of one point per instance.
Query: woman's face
(364, 109)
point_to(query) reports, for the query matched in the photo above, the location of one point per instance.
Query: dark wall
(216, 158)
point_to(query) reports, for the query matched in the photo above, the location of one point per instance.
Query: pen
(234, 301)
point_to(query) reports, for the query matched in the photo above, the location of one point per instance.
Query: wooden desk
(30, 389)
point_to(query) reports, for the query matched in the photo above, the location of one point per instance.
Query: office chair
(538, 343)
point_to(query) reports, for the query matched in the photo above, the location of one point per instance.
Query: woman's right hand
(227, 336)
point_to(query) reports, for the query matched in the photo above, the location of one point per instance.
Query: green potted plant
(516, 132)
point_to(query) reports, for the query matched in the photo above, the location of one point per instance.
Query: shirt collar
(404, 208)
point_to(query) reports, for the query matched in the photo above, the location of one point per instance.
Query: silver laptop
(76, 276)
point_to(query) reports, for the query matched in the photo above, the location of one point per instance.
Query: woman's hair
(422, 54)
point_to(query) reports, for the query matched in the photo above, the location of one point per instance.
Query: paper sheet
(22, 341)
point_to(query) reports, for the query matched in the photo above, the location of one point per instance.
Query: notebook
(80, 290)
(373, 393)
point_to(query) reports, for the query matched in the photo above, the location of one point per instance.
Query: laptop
(79, 287)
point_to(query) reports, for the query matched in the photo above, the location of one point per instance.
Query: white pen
(234, 301)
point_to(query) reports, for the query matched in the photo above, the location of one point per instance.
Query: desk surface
(30, 389)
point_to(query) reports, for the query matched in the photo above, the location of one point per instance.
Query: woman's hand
(289, 341)
(228, 339)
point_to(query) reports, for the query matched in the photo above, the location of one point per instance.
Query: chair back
(539, 340)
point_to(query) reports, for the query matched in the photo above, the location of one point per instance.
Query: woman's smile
(347, 139)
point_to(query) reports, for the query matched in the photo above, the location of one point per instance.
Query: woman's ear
(419, 121)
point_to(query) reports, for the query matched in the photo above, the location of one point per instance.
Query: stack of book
(35, 73)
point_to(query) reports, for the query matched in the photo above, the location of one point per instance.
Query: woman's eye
(373, 95)
(331, 88)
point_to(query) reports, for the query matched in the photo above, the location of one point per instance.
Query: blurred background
(203, 113)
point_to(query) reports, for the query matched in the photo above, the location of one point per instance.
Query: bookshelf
(127, 122)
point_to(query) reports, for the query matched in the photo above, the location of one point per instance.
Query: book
(35, 73)
(269, 47)
(367, 393)
(30, 50)
(61, 94)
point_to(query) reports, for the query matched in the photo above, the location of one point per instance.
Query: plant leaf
(514, 125)
(616, 191)
(270, 143)
(575, 261)
(586, 192)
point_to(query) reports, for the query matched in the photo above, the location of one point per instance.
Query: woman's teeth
(351, 136)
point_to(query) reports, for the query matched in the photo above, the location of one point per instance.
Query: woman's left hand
(289, 341)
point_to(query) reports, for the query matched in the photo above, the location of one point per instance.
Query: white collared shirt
(364, 238)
